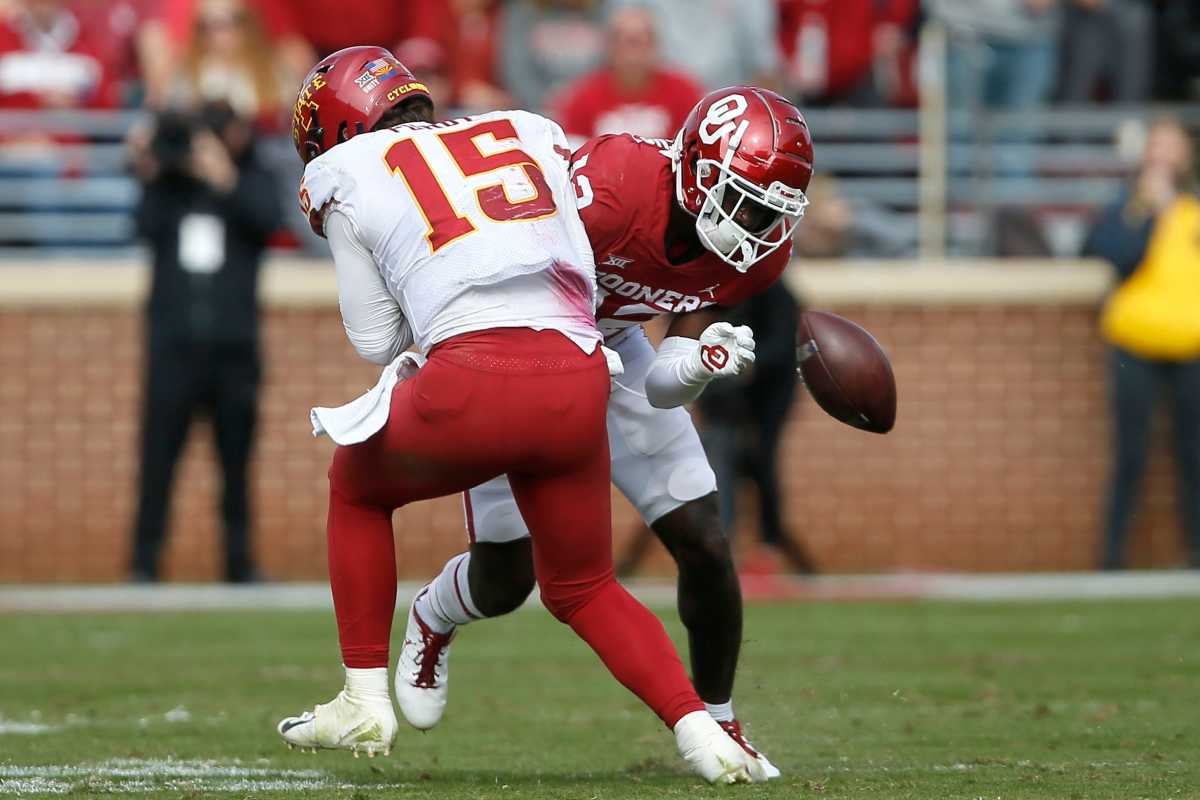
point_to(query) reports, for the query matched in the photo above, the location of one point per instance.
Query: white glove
(683, 367)
(724, 351)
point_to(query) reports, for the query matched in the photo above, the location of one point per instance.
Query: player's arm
(371, 316)
(697, 350)
(699, 347)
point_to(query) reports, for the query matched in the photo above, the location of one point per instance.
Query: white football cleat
(734, 729)
(712, 754)
(347, 722)
(422, 679)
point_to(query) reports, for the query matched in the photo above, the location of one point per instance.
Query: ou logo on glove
(713, 357)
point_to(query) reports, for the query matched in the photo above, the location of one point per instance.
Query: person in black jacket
(744, 420)
(206, 213)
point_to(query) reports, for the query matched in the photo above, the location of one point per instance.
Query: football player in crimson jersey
(677, 228)
(462, 238)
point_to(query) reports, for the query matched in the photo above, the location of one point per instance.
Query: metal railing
(64, 184)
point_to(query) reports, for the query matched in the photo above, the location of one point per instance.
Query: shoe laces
(429, 654)
(734, 729)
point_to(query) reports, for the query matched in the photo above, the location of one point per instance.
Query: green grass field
(905, 700)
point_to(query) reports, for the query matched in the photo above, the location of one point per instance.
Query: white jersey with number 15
(472, 223)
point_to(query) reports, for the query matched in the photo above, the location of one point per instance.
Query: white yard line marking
(140, 776)
(13, 727)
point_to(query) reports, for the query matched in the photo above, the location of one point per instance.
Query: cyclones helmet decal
(742, 162)
(345, 95)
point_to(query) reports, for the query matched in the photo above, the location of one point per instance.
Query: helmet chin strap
(676, 160)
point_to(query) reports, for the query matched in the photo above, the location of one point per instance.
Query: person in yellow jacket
(1151, 235)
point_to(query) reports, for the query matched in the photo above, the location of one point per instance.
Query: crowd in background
(597, 65)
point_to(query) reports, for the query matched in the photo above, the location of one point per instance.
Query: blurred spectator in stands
(1002, 53)
(848, 52)
(49, 59)
(1178, 50)
(451, 46)
(253, 34)
(633, 93)
(720, 42)
(744, 420)
(1151, 235)
(836, 226)
(123, 28)
(230, 59)
(330, 26)
(206, 212)
(546, 45)
(1093, 30)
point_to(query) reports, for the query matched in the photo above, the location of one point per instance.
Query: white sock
(446, 602)
(721, 712)
(369, 683)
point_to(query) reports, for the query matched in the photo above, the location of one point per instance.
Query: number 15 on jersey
(519, 192)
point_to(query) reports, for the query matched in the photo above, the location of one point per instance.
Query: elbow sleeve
(673, 379)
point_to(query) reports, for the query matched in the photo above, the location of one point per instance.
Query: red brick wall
(997, 462)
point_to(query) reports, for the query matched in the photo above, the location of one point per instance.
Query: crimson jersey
(626, 187)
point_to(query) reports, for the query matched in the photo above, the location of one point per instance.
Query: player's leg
(493, 578)
(569, 516)
(660, 465)
(561, 484)
(362, 577)
(504, 579)
(433, 445)
(496, 575)
(709, 595)
(710, 607)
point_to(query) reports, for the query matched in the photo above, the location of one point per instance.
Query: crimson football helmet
(346, 94)
(742, 161)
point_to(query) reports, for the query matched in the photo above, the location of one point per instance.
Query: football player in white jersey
(676, 227)
(461, 239)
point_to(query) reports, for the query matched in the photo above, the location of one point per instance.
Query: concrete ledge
(285, 282)
(309, 283)
(963, 282)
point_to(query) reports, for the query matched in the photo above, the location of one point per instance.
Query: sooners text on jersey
(625, 188)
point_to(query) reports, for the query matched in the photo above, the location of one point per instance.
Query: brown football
(847, 372)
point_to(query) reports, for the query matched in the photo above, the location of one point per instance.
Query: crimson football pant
(532, 405)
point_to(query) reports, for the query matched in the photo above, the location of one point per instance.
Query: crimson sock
(635, 647)
(362, 575)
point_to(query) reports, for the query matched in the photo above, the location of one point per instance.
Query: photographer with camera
(207, 210)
